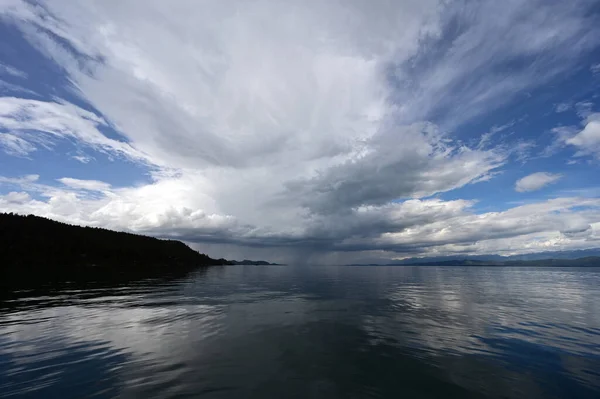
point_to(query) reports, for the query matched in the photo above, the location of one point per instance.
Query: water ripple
(354, 332)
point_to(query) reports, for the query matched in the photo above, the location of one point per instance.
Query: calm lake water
(309, 332)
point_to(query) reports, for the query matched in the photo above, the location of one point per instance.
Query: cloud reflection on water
(325, 332)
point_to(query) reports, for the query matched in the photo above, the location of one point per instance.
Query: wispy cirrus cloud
(33, 123)
(90, 185)
(14, 72)
(14, 145)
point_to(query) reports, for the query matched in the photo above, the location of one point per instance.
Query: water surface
(308, 332)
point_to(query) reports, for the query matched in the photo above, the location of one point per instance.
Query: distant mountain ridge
(462, 259)
(39, 246)
(588, 261)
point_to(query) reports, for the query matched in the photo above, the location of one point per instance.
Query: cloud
(161, 206)
(13, 145)
(417, 226)
(536, 181)
(475, 71)
(16, 197)
(316, 124)
(198, 89)
(54, 121)
(585, 139)
(486, 138)
(408, 163)
(90, 185)
(562, 107)
(588, 139)
(25, 180)
(253, 84)
(8, 70)
(82, 158)
(584, 108)
(595, 68)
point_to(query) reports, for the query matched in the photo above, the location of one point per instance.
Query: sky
(310, 131)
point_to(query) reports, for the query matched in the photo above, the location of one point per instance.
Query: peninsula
(35, 246)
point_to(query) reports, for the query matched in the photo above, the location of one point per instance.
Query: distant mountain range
(581, 258)
(36, 246)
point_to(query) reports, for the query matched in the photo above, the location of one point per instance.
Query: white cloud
(595, 68)
(537, 227)
(486, 138)
(16, 197)
(82, 158)
(536, 181)
(279, 124)
(13, 145)
(419, 227)
(91, 185)
(588, 139)
(27, 179)
(167, 205)
(54, 120)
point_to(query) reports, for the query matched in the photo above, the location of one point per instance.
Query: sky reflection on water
(347, 332)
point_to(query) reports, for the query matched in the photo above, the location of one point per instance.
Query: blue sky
(326, 131)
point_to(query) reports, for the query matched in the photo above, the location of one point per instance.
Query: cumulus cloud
(536, 181)
(162, 206)
(584, 138)
(417, 226)
(550, 217)
(16, 197)
(319, 124)
(588, 139)
(410, 162)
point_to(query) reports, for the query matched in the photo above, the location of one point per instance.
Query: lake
(308, 332)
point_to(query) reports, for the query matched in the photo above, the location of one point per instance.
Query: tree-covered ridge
(32, 243)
